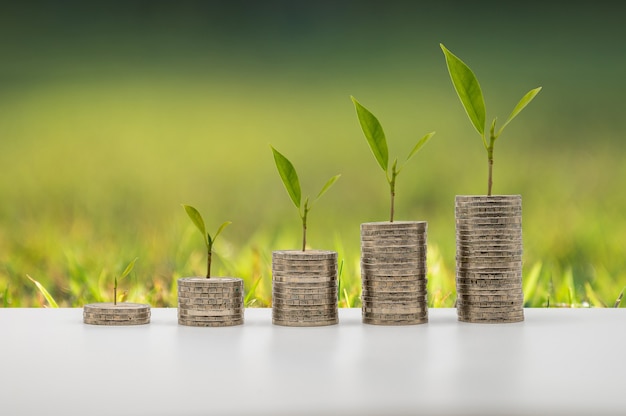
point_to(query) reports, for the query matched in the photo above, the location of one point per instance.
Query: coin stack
(122, 313)
(489, 259)
(304, 288)
(393, 273)
(217, 301)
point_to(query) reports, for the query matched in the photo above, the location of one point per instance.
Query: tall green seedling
(209, 240)
(292, 184)
(377, 141)
(126, 272)
(471, 96)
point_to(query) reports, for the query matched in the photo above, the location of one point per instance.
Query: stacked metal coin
(393, 272)
(304, 288)
(122, 313)
(217, 301)
(489, 259)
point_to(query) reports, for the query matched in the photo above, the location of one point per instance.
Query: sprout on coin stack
(117, 313)
(304, 282)
(393, 253)
(209, 301)
(488, 228)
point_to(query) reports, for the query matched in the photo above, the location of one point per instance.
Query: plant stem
(490, 182)
(304, 229)
(208, 262)
(115, 295)
(392, 188)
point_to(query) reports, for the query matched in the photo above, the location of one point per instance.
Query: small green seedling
(471, 96)
(378, 144)
(292, 184)
(125, 273)
(196, 218)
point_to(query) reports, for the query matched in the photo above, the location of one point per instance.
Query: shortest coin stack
(122, 313)
(489, 259)
(304, 288)
(217, 301)
(393, 273)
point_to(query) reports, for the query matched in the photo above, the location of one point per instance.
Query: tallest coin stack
(489, 258)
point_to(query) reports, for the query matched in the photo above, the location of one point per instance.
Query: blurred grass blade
(420, 144)
(594, 299)
(327, 186)
(196, 218)
(373, 133)
(289, 176)
(619, 299)
(129, 268)
(44, 292)
(530, 283)
(526, 99)
(251, 295)
(346, 297)
(5, 298)
(468, 89)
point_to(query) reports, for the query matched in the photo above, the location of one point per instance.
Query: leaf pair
(471, 96)
(373, 131)
(196, 218)
(290, 179)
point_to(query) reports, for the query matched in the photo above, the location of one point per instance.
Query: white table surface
(559, 361)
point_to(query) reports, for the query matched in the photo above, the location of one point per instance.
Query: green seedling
(378, 144)
(209, 240)
(471, 96)
(292, 184)
(125, 273)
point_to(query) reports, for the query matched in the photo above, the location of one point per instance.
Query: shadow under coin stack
(121, 314)
(304, 288)
(393, 273)
(217, 301)
(489, 259)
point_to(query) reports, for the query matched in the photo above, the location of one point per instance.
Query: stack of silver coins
(304, 288)
(489, 259)
(122, 313)
(393, 272)
(217, 301)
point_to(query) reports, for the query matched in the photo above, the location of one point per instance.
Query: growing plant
(196, 218)
(471, 96)
(125, 273)
(292, 184)
(378, 144)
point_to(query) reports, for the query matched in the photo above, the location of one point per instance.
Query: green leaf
(289, 176)
(44, 292)
(196, 218)
(419, 145)
(373, 133)
(468, 90)
(128, 268)
(327, 186)
(526, 99)
(219, 230)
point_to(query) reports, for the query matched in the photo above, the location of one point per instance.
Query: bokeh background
(112, 114)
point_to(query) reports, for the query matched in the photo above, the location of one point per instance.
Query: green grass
(92, 186)
(107, 127)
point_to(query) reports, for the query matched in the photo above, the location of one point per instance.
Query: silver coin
(312, 255)
(193, 322)
(322, 322)
(394, 322)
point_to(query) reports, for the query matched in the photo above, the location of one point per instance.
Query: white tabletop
(556, 362)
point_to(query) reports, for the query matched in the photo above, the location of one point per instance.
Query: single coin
(398, 322)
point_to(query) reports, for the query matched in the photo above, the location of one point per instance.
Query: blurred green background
(112, 114)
